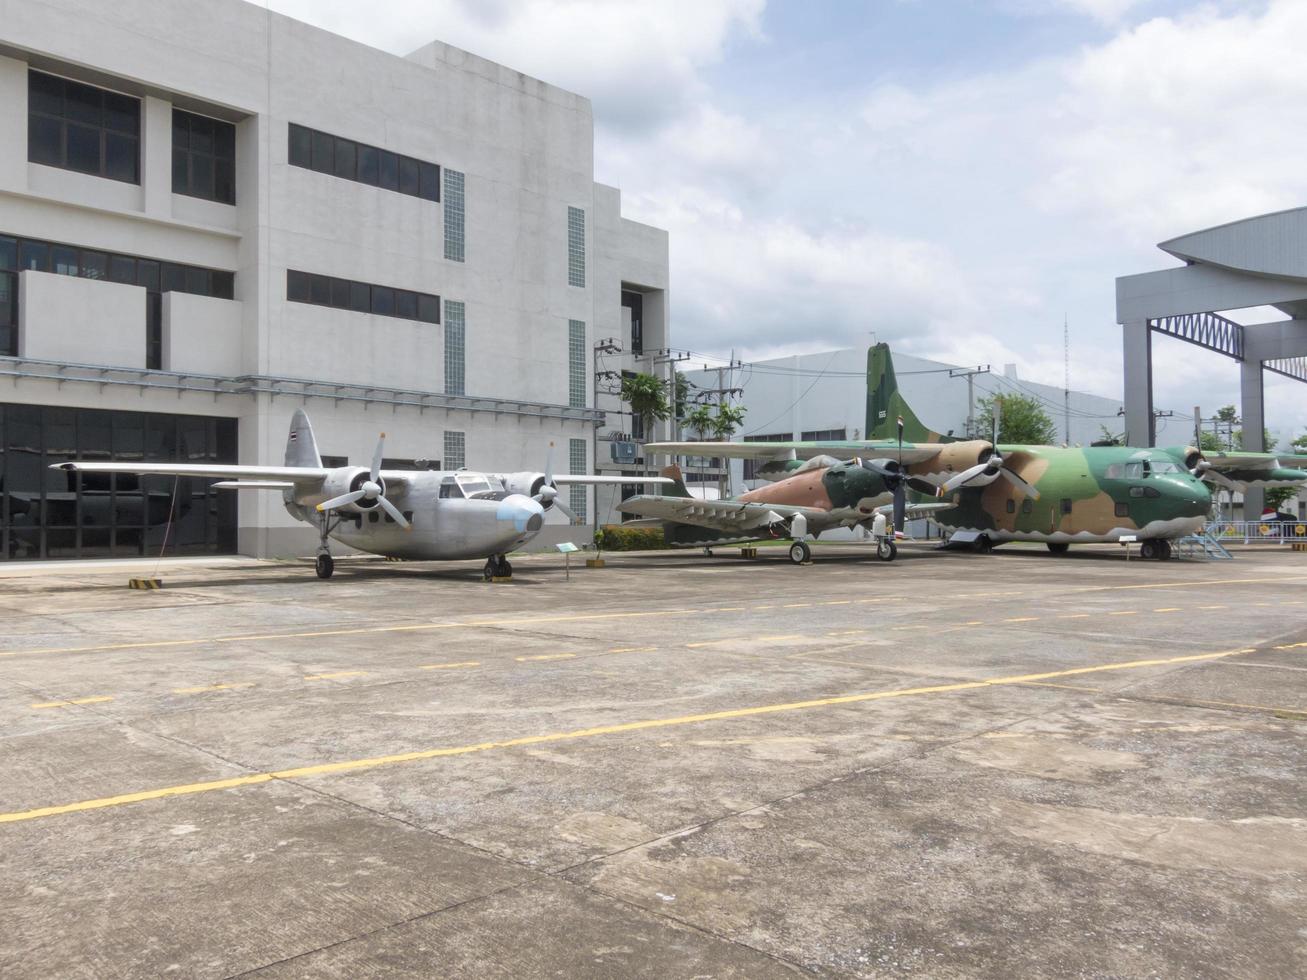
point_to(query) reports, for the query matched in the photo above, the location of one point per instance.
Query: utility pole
(725, 389)
(670, 358)
(969, 374)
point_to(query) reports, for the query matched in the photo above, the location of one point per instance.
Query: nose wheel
(886, 550)
(1157, 548)
(497, 566)
(800, 553)
(324, 565)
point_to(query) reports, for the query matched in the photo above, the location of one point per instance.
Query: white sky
(952, 175)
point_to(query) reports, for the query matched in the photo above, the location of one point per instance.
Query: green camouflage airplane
(978, 491)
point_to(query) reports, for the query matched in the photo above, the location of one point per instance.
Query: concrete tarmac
(954, 765)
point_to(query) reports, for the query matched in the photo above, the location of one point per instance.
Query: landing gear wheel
(984, 544)
(488, 572)
(707, 552)
(1059, 547)
(505, 569)
(324, 566)
(886, 550)
(800, 552)
(1163, 550)
(1149, 548)
(497, 566)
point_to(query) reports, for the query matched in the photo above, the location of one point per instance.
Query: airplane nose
(525, 513)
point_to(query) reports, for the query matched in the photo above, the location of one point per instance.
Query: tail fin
(885, 406)
(677, 489)
(301, 447)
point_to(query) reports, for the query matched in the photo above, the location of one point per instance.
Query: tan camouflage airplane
(977, 490)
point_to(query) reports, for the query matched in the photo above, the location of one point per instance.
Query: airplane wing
(913, 511)
(843, 449)
(719, 515)
(293, 474)
(1241, 469)
(590, 479)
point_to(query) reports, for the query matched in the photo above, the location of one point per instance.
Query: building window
(576, 492)
(455, 450)
(203, 157)
(348, 159)
(751, 466)
(83, 128)
(576, 363)
(575, 247)
(454, 215)
(824, 435)
(634, 302)
(68, 260)
(361, 297)
(455, 349)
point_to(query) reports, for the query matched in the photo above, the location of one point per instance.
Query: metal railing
(1258, 532)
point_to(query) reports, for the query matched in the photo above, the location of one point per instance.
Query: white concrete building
(211, 215)
(824, 396)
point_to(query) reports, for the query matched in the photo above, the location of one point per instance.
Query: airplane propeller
(547, 496)
(991, 469)
(371, 489)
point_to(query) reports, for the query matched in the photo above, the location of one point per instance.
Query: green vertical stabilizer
(885, 406)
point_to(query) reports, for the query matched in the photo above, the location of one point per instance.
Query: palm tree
(647, 396)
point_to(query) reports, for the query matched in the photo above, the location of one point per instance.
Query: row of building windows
(576, 492)
(157, 278)
(83, 128)
(361, 297)
(454, 215)
(351, 160)
(575, 247)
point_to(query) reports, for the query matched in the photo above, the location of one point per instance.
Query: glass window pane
(324, 152)
(320, 290)
(95, 265)
(122, 113)
(45, 93)
(408, 176)
(120, 157)
(340, 293)
(174, 278)
(389, 171)
(122, 269)
(224, 140)
(34, 255)
(83, 149)
(201, 135)
(180, 130)
(45, 141)
(301, 143)
(297, 286)
(201, 175)
(8, 253)
(224, 285)
(64, 258)
(147, 275)
(428, 308)
(369, 161)
(180, 172)
(224, 181)
(430, 181)
(199, 281)
(406, 304)
(383, 301)
(346, 154)
(360, 297)
(8, 293)
(82, 103)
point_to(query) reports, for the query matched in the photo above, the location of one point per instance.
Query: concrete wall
(201, 334)
(80, 321)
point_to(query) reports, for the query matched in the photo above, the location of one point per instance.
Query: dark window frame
(314, 289)
(320, 151)
(191, 158)
(102, 119)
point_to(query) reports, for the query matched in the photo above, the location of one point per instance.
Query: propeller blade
(341, 501)
(549, 466)
(394, 512)
(1026, 488)
(900, 506)
(966, 476)
(376, 458)
(547, 496)
(565, 510)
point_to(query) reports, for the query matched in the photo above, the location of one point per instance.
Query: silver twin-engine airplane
(422, 515)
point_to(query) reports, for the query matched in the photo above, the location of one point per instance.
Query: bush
(612, 537)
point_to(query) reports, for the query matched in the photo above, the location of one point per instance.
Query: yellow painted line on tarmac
(1021, 619)
(212, 687)
(709, 643)
(726, 609)
(847, 633)
(1291, 646)
(836, 602)
(780, 636)
(917, 626)
(450, 666)
(1075, 616)
(98, 699)
(1213, 607)
(334, 674)
(1170, 609)
(1125, 612)
(763, 607)
(631, 650)
(355, 765)
(545, 656)
(796, 605)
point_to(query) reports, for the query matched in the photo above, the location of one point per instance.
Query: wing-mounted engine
(352, 482)
(959, 457)
(528, 484)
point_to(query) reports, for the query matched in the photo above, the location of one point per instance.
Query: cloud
(638, 62)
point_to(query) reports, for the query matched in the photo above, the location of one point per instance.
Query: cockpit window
(448, 488)
(1164, 466)
(1136, 470)
(473, 484)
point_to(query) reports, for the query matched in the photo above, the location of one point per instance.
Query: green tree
(1299, 445)
(727, 420)
(682, 398)
(700, 421)
(1108, 438)
(1020, 420)
(647, 396)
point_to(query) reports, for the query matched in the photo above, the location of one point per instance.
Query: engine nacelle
(954, 457)
(348, 479)
(528, 484)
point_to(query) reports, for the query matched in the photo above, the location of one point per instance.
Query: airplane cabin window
(1027, 506)
(1011, 506)
(1135, 471)
(449, 488)
(1122, 508)
(1115, 471)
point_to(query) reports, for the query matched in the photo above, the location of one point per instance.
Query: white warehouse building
(212, 215)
